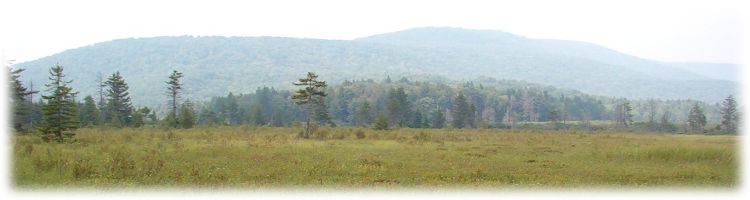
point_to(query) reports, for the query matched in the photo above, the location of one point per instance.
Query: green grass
(261, 157)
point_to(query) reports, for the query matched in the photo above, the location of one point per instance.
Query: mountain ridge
(216, 65)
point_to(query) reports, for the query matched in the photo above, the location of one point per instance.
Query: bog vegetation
(247, 156)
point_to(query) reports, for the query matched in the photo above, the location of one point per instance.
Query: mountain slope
(214, 66)
(721, 71)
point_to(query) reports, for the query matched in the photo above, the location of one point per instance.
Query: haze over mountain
(214, 66)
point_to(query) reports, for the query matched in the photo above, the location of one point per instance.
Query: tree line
(365, 103)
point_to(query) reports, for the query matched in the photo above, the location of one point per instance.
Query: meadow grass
(264, 157)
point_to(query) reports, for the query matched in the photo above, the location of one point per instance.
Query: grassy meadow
(263, 157)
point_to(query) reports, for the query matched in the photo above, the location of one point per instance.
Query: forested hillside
(417, 104)
(215, 66)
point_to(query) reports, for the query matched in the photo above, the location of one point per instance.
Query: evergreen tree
(321, 113)
(664, 122)
(103, 109)
(461, 111)
(729, 116)
(624, 114)
(89, 114)
(21, 108)
(471, 116)
(187, 115)
(652, 125)
(553, 116)
(417, 121)
(119, 100)
(278, 118)
(231, 112)
(627, 113)
(381, 122)
(398, 107)
(173, 92)
(363, 117)
(256, 115)
(309, 96)
(146, 112)
(137, 118)
(114, 118)
(60, 109)
(696, 119)
(509, 118)
(207, 117)
(438, 119)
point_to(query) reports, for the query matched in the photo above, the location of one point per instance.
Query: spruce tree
(321, 114)
(627, 119)
(119, 100)
(21, 108)
(310, 95)
(729, 116)
(696, 119)
(60, 109)
(89, 114)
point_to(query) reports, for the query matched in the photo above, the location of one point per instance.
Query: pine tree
(309, 96)
(60, 109)
(729, 116)
(118, 100)
(173, 91)
(696, 119)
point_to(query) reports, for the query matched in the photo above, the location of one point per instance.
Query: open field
(261, 157)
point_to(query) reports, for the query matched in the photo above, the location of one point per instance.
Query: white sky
(708, 31)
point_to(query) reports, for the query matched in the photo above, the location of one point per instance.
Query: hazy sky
(709, 31)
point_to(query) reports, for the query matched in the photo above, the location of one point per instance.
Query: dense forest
(385, 104)
(489, 103)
